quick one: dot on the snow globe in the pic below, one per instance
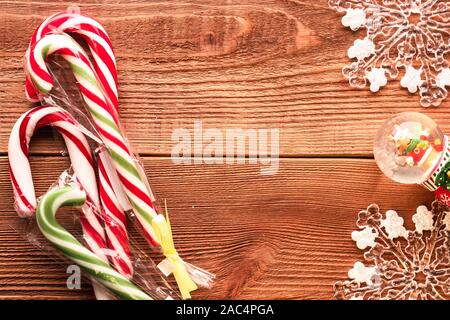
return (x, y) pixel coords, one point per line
(410, 148)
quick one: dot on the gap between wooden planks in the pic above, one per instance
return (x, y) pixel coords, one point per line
(283, 236)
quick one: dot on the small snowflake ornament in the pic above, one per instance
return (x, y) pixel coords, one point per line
(410, 38)
(364, 238)
(360, 273)
(447, 222)
(443, 78)
(423, 219)
(354, 18)
(361, 49)
(377, 78)
(393, 225)
(412, 79)
(400, 263)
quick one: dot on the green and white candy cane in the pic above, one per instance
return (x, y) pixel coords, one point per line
(74, 250)
(105, 119)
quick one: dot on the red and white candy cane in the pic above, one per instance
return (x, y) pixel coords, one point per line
(96, 38)
(106, 120)
(114, 214)
(101, 49)
(83, 167)
(18, 151)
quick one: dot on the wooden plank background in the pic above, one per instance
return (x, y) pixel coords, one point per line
(231, 64)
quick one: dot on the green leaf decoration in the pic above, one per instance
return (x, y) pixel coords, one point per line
(442, 178)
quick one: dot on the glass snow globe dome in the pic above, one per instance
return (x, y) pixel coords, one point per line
(408, 147)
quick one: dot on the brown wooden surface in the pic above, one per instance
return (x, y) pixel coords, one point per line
(240, 64)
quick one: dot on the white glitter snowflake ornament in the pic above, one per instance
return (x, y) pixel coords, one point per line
(407, 38)
(400, 263)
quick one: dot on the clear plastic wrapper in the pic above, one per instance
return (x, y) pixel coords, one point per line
(145, 276)
(85, 96)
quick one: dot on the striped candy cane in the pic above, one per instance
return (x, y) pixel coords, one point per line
(108, 126)
(18, 150)
(105, 119)
(114, 215)
(96, 38)
(100, 47)
(83, 166)
(74, 250)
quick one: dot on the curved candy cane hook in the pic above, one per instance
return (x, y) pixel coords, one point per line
(99, 45)
(83, 165)
(82, 162)
(104, 116)
(74, 250)
(18, 150)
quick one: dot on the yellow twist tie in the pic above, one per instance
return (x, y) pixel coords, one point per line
(164, 233)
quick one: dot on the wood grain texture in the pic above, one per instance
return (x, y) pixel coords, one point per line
(284, 236)
(254, 64)
(231, 64)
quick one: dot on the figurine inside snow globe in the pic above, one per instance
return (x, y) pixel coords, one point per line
(408, 147)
